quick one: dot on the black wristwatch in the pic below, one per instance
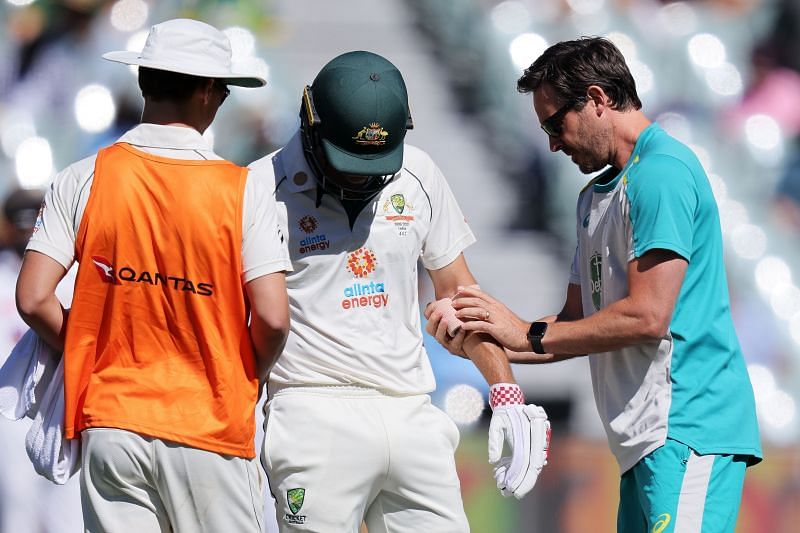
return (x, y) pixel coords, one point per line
(535, 336)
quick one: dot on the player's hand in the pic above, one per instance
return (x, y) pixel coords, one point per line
(527, 431)
(445, 327)
(480, 312)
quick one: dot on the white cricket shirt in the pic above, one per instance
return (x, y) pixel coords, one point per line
(263, 248)
(353, 294)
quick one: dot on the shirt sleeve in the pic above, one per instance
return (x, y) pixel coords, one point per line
(264, 246)
(663, 198)
(449, 233)
(62, 209)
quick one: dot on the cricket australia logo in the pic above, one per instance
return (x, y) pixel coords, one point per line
(398, 211)
(596, 274)
(361, 263)
(399, 203)
(373, 134)
(294, 499)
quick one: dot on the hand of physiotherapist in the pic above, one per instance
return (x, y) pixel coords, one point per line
(480, 312)
(527, 431)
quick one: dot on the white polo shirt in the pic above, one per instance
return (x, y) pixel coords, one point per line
(263, 247)
(353, 295)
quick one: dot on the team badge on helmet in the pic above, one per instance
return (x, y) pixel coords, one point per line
(372, 134)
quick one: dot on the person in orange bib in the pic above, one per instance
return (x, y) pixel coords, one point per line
(180, 303)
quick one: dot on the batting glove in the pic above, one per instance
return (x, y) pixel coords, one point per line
(527, 431)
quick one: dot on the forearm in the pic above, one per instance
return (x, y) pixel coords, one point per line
(489, 357)
(623, 323)
(530, 357)
(48, 319)
(268, 345)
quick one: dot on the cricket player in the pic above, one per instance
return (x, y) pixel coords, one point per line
(647, 299)
(350, 432)
(176, 248)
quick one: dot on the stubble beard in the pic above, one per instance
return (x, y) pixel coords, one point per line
(591, 151)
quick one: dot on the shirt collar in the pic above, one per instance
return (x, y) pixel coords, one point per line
(299, 176)
(161, 136)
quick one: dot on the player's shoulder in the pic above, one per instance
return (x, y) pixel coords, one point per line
(420, 164)
(73, 177)
(266, 170)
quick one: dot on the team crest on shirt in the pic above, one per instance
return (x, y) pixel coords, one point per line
(399, 211)
(294, 499)
(596, 275)
(363, 292)
(312, 243)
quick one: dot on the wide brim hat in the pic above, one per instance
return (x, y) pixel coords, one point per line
(362, 102)
(191, 47)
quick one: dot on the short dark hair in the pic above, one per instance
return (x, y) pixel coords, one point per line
(570, 67)
(164, 85)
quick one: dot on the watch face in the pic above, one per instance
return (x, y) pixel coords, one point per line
(537, 329)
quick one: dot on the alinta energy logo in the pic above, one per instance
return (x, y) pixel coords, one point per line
(361, 264)
(309, 225)
(108, 274)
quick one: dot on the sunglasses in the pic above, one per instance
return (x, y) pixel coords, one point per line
(554, 124)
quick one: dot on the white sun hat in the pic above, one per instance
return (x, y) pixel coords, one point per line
(188, 47)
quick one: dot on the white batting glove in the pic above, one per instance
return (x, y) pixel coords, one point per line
(527, 431)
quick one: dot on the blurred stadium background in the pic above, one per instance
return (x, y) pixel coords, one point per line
(723, 76)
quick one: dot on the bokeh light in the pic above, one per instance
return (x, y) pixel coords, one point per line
(718, 187)
(772, 272)
(625, 43)
(706, 50)
(678, 18)
(677, 125)
(511, 17)
(129, 15)
(731, 215)
(749, 241)
(464, 404)
(15, 127)
(762, 132)
(642, 75)
(526, 48)
(20, 2)
(34, 163)
(586, 7)
(785, 300)
(725, 80)
(94, 108)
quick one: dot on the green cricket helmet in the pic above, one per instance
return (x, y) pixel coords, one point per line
(354, 119)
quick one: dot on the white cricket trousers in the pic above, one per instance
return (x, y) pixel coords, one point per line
(335, 456)
(131, 483)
